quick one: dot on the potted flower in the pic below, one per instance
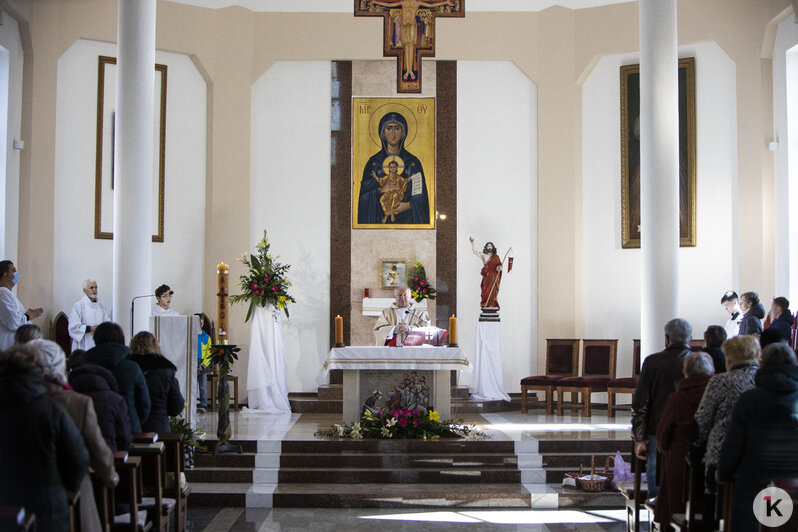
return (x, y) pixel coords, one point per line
(420, 287)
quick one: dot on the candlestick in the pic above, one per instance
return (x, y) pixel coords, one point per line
(452, 331)
(339, 331)
(222, 273)
(367, 292)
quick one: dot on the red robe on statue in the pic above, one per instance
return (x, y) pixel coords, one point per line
(490, 282)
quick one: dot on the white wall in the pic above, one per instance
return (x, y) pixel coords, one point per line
(178, 261)
(785, 158)
(497, 201)
(11, 118)
(290, 198)
(612, 274)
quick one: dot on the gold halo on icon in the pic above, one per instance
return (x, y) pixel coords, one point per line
(393, 107)
(390, 159)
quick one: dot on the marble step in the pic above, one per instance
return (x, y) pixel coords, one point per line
(467, 406)
(212, 494)
(404, 496)
(600, 447)
(224, 460)
(432, 461)
(576, 498)
(220, 475)
(442, 446)
(574, 460)
(312, 405)
(399, 476)
(247, 446)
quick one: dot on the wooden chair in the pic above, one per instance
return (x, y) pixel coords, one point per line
(598, 368)
(561, 362)
(61, 332)
(16, 518)
(176, 488)
(624, 384)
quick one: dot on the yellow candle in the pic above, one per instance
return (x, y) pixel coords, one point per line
(452, 330)
(222, 273)
(339, 330)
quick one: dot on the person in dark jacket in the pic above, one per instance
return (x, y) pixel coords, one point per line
(100, 384)
(111, 352)
(165, 395)
(783, 321)
(675, 430)
(660, 374)
(714, 337)
(42, 455)
(753, 312)
(763, 434)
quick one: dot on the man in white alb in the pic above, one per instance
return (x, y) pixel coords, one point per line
(12, 313)
(85, 316)
(163, 295)
(403, 314)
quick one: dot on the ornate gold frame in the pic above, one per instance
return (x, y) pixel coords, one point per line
(98, 179)
(630, 153)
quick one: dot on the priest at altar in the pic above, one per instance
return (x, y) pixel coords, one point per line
(396, 320)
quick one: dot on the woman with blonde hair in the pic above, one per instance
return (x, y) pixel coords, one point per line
(159, 372)
(714, 412)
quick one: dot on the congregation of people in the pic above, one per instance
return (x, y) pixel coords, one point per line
(732, 409)
(74, 411)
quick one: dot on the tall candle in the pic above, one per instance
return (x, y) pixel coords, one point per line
(339, 330)
(222, 273)
(452, 330)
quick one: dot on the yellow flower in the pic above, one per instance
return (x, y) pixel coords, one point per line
(418, 264)
(434, 415)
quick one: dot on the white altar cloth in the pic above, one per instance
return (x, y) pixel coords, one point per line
(177, 336)
(410, 358)
(488, 380)
(267, 389)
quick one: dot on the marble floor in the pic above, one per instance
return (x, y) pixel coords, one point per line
(502, 426)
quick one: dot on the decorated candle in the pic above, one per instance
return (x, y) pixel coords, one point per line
(339, 330)
(452, 330)
(222, 273)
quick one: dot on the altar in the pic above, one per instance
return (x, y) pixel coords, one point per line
(396, 377)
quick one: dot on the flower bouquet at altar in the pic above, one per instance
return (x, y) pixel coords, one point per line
(420, 288)
(265, 283)
(401, 424)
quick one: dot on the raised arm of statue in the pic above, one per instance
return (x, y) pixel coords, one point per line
(483, 256)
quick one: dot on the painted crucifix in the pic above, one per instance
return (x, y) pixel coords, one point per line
(409, 32)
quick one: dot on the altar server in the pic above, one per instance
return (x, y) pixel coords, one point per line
(12, 313)
(163, 296)
(85, 316)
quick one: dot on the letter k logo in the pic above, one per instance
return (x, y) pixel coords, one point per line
(772, 507)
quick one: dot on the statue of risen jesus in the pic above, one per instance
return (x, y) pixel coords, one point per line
(409, 27)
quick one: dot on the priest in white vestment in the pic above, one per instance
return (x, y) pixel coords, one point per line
(12, 313)
(400, 317)
(85, 316)
(163, 296)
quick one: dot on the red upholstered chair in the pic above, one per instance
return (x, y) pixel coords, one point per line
(61, 332)
(561, 362)
(598, 369)
(624, 384)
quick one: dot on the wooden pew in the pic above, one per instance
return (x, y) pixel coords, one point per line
(16, 518)
(723, 505)
(693, 495)
(151, 451)
(636, 495)
(128, 491)
(175, 466)
(73, 498)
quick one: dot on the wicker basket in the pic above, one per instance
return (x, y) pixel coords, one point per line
(596, 481)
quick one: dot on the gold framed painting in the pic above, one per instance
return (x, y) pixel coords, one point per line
(393, 163)
(393, 273)
(106, 144)
(630, 155)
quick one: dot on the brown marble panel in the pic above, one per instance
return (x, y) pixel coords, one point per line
(446, 191)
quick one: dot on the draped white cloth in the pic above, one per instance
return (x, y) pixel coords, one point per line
(267, 389)
(488, 381)
(177, 336)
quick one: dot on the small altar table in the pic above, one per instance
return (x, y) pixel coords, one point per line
(397, 373)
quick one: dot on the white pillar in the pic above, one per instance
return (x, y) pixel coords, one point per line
(135, 81)
(659, 171)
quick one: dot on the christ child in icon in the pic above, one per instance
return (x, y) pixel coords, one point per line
(392, 187)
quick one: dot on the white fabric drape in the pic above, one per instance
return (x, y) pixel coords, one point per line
(488, 381)
(267, 390)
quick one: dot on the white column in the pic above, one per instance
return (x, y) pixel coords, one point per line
(659, 171)
(133, 225)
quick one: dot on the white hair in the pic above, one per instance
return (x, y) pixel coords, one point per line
(52, 358)
(86, 283)
(400, 289)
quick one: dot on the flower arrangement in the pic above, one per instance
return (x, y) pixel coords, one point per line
(419, 285)
(401, 424)
(265, 282)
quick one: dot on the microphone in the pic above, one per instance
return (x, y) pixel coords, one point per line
(132, 309)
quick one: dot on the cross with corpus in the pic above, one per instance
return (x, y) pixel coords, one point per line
(409, 32)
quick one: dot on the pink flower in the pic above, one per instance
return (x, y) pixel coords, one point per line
(266, 278)
(422, 282)
(395, 413)
(403, 422)
(416, 421)
(425, 290)
(415, 411)
(274, 288)
(254, 286)
(257, 293)
(415, 277)
(379, 414)
(406, 412)
(418, 288)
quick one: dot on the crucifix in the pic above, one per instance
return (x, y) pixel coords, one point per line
(409, 32)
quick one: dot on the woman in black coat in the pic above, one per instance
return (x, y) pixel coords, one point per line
(100, 384)
(165, 396)
(754, 312)
(763, 434)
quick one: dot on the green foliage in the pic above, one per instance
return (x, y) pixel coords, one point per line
(419, 285)
(178, 425)
(265, 283)
(401, 424)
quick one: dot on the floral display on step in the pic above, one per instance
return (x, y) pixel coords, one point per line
(402, 424)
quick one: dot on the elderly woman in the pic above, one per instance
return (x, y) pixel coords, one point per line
(763, 433)
(81, 409)
(165, 395)
(753, 312)
(674, 433)
(723, 390)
